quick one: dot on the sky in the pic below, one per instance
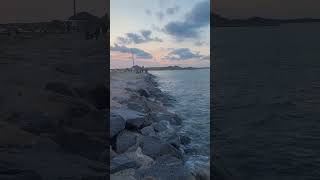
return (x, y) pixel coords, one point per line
(160, 33)
(268, 8)
(22, 11)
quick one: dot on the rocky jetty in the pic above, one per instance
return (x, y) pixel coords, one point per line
(144, 140)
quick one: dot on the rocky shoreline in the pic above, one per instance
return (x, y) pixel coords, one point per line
(144, 139)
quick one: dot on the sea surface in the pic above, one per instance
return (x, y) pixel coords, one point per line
(267, 82)
(190, 90)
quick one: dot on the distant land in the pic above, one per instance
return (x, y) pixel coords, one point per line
(175, 68)
(220, 21)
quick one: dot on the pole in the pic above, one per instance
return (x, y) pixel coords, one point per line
(132, 57)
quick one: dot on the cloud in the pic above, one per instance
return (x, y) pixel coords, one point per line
(183, 54)
(201, 43)
(197, 18)
(138, 52)
(148, 12)
(134, 38)
(160, 15)
(173, 10)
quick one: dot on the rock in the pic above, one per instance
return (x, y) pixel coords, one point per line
(166, 116)
(136, 123)
(148, 131)
(122, 162)
(134, 119)
(125, 140)
(112, 153)
(142, 160)
(185, 140)
(153, 147)
(117, 124)
(160, 126)
(60, 88)
(126, 172)
(102, 177)
(171, 150)
(174, 140)
(139, 106)
(165, 167)
(144, 93)
(203, 174)
(107, 155)
(118, 177)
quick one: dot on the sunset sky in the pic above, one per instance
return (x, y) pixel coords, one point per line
(160, 32)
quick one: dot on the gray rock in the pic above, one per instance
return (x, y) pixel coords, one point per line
(166, 116)
(160, 126)
(136, 123)
(171, 150)
(134, 119)
(144, 93)
(153, 147)
(166, 167)
(174, 140)
(125, 140)
(142, 160)
(140, 107)
(148, 131)
(118, 177)
(117, 124)
(122, 162)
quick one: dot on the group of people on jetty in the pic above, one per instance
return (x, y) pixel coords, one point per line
(137, 69)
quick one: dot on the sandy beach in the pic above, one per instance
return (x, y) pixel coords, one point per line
(144, 136)
(53, 105)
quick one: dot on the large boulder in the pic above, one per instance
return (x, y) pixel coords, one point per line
(154, 147)
(144, 92)
(160, 126)
(137, 106)
(142, 160)
(122, 162)
(165, 167)
(166, 116)
(148, 131)
(125, 140)
(134, 119)
(117, 124)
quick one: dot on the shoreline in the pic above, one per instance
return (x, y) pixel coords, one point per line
(146, 140)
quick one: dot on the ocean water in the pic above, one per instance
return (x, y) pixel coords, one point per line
(267, 123)
(190, 90)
